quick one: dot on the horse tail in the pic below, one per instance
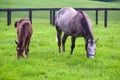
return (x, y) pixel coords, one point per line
(15, 24)
(25, 24)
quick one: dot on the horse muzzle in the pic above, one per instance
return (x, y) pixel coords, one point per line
(91, 56)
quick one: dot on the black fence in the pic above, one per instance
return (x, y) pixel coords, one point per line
(53, 10)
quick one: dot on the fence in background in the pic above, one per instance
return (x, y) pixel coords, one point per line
(53, 10)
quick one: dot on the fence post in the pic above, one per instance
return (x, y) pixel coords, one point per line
(105, 18)
(51, 16)
(97, 16)
(8, 17)
(30, 15)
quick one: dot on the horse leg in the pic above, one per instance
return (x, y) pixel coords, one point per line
(20, 53)
(63, 42)
(27, 47)
(59, 32)
(86, 43)
(18, 56)
(73, 44)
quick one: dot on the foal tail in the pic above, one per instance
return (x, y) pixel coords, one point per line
(15, 24)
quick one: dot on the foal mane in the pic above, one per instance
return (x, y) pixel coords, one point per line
(86, 26)
(23, 31)
(23, 25)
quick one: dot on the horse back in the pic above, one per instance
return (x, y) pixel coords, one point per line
(24, 29)
(24, 25)
(64, 16)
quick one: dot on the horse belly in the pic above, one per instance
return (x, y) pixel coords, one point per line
(66, 29)
(78, 34)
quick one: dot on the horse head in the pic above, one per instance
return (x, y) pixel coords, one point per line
(91, 48)
(19, 49)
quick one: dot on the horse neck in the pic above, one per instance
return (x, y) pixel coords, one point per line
(89, 35)
(22, 35)
(87, 32)
(86, 27)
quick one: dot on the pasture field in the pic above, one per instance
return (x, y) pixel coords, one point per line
(44, 61)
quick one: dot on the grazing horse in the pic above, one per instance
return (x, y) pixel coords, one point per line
(24, 33)
(75, 24)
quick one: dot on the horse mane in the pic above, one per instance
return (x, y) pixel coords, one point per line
(86, 25)
(24, 30)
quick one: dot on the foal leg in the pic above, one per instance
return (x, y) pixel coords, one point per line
(73, 44)
(63, 42)
(59, 32)
(18, 56)
(27, 47)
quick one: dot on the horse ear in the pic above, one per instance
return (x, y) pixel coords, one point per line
(96, 40)
(16, 42)
(15, 25)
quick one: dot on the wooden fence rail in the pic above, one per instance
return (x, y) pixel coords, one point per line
(53, 10)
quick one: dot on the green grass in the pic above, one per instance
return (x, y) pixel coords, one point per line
(44, 62)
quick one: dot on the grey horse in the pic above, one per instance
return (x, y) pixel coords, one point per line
(75, 24)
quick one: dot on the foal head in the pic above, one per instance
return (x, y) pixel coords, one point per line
(19, 49)
(91, 48)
